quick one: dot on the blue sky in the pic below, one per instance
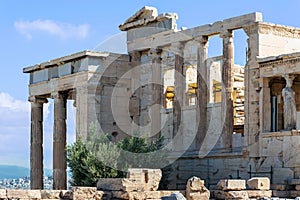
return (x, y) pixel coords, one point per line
(36, 31)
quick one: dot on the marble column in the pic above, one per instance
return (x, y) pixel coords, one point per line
(36, 142)
(81, 112)
(59, 141)
(227, 79)
(178, 99)
(289, 104)
(157, 91)
(202, 90)
(265, 105)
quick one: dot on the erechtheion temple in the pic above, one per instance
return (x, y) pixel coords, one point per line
(221, 119)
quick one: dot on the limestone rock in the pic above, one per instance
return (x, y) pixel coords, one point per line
(111, 184)
(259, 183)
(236, 195)
(23, 194)
(231, 184)
(130, 184)
(195, 189)
(149, 178)
(176, 196)
(83, 193)
(219, 194)
(195, 184)
(65, 194)
(50, 194)
(138, 179)
(120, 195)
(259, 193)
(99, 195)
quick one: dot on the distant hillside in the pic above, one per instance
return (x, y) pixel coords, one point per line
(10, 172)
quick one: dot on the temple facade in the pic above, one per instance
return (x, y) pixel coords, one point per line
(221, 119)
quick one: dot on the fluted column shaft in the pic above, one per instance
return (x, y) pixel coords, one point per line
(202, 90)
(59, 142)
(36, 143)
(227, 79)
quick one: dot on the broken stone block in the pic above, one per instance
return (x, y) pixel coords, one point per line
(23, 194)
(236, 195)
(120, 195)
(232, 184)
(259, 183)
(65, 194)
(258, 194)
(149, 178)
(195, 184)
(80, 193)
(137, 180)
(130, 184)
(195, 189)
(176, 196)
(110, 184)
(99, 195)
(50, 194)
(219, 194)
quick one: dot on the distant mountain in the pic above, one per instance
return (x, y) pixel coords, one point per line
(11, 171)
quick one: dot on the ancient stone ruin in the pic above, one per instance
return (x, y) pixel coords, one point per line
(222, 120)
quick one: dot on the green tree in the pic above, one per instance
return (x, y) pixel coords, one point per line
(99, 157)
(94, 159)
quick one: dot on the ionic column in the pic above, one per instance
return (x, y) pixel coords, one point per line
(157, 91)
(59, 142)
(265, 106)
(202, 90)
(178, 99)
(81, 112)
(36, 142)
(227, 79)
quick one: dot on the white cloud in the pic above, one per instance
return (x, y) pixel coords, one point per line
(15, 129)
(62, 30)
(14, 107)
(8, 103)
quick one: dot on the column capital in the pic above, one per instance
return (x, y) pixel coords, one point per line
(37, 99)
(226, 34)
(155, 51)
(59, 95)
(203, 40)
(289, 78)
(135, 54)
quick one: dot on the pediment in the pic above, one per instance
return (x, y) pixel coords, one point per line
(147, 12)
